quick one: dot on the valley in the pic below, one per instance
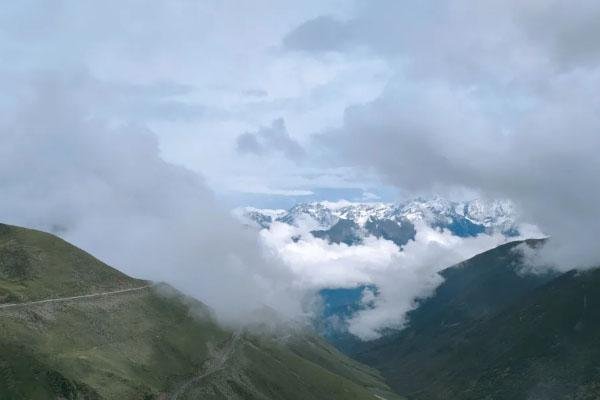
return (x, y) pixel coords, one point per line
(492, 329)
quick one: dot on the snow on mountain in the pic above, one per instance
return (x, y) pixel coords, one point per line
(468, 218)
(491, 213)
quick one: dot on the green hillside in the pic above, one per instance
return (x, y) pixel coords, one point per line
(491, 332)
(146, 343)
(544, 347)
(36, 265)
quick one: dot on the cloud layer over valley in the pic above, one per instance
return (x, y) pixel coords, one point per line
(400, 276)
(128, 129)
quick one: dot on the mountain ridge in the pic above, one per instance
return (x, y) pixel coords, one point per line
(466, 218)
(35, 265)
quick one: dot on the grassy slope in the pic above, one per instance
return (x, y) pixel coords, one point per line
(419, 361)
(36, 265)
(489, 333)
(142, 344)
(299, 368)
(121, 347)
(545, 347)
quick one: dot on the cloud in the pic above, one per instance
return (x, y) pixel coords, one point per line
(400, 276)
(270, 139)
(368, 196)
(413, 275)
(255, 93)
(196, 73)
(105, 187)
(564, 31)
(279, 192)
(323, 33)
(494, 97)
(458, 39)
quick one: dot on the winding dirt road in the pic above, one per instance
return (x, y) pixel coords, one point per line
(62, 299)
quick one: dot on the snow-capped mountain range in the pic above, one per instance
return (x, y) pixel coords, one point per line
(466, 218)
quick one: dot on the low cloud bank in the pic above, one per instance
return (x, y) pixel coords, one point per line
(400, 276)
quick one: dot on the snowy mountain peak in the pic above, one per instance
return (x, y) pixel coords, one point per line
(467, 218)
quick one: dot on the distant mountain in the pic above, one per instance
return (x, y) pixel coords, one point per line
(343, 231)
(72, 328)
(492, 331)
(351, 223)
(391, 221)
(262, 217)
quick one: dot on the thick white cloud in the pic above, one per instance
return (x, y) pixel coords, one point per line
(400, 276)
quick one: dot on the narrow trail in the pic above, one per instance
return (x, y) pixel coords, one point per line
(214, 364)
(62, 299)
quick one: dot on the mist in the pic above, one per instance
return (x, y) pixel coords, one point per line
(105, 187)
(401, 276)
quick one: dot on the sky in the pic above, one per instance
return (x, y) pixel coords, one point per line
(131, 128)
(203, 76)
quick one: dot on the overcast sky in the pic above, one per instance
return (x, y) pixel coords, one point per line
(131, 116)
(214, 80)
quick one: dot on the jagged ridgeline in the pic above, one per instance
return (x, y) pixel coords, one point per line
(72, 327)
(350, 223)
